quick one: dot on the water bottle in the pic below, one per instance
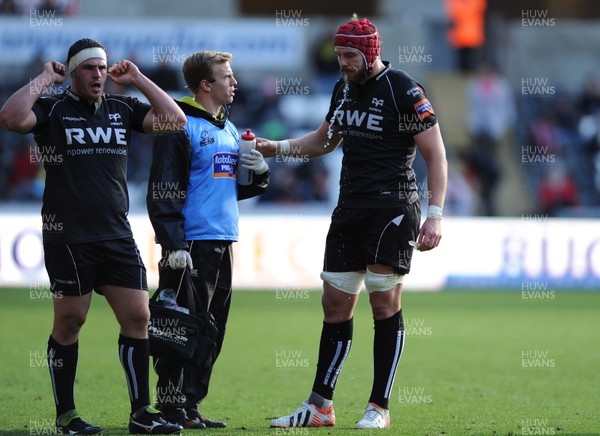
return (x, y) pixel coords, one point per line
(168, 297)
(247, 143)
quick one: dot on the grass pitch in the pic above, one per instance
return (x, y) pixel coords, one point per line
(475, 363)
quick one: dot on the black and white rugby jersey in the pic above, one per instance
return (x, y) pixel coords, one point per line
(377, 121)
(84, 149)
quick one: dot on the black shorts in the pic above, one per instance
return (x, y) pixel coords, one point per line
(361, 237)
(77, 269)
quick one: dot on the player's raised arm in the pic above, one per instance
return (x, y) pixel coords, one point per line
(316, 143)
(16, 114)
(431, 146)
(165, 116)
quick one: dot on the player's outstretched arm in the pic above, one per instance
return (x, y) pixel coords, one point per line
(431, 146)
(16, 114)
(312, 144)
(165, 116)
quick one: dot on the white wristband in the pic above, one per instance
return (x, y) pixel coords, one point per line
(284, 147)
(434, 212)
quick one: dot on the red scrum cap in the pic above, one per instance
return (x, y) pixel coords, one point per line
(360, 35)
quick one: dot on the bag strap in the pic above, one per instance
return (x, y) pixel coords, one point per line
(191, 289)
(154, 297)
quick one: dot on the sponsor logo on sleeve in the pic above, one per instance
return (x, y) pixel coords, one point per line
(423, 109)
(414, 91)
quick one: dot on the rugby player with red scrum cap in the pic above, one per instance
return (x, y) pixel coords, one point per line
(381, 116)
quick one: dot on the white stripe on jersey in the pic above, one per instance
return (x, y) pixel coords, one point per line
(392, 93)
(54, 105)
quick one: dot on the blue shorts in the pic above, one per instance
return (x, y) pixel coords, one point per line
(361, 237)
(77, 269)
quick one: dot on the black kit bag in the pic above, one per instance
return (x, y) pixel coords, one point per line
(187, 338)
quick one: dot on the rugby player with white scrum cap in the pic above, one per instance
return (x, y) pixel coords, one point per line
(381, 116)
(84, 136)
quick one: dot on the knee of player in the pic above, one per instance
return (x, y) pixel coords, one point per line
(69, 325)
(382, 310)
(137, 318)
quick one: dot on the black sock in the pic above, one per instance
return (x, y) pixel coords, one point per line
(333, 350)
(387, 350)
(62, 362)
(134, 357)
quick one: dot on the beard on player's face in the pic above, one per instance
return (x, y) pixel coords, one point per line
(354, 74)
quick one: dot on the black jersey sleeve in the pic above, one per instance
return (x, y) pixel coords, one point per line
(167, 188)
(416, 110)
(41, 108)
(140, 110)
(257, 187)
(335, 95)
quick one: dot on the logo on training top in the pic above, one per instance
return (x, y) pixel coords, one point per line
(115, 119)
(359, 119)
(224, 165)
(377, 102)
(414, 91)
(205, 138)
(99, 135)
(74, 118)
(424, 109)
